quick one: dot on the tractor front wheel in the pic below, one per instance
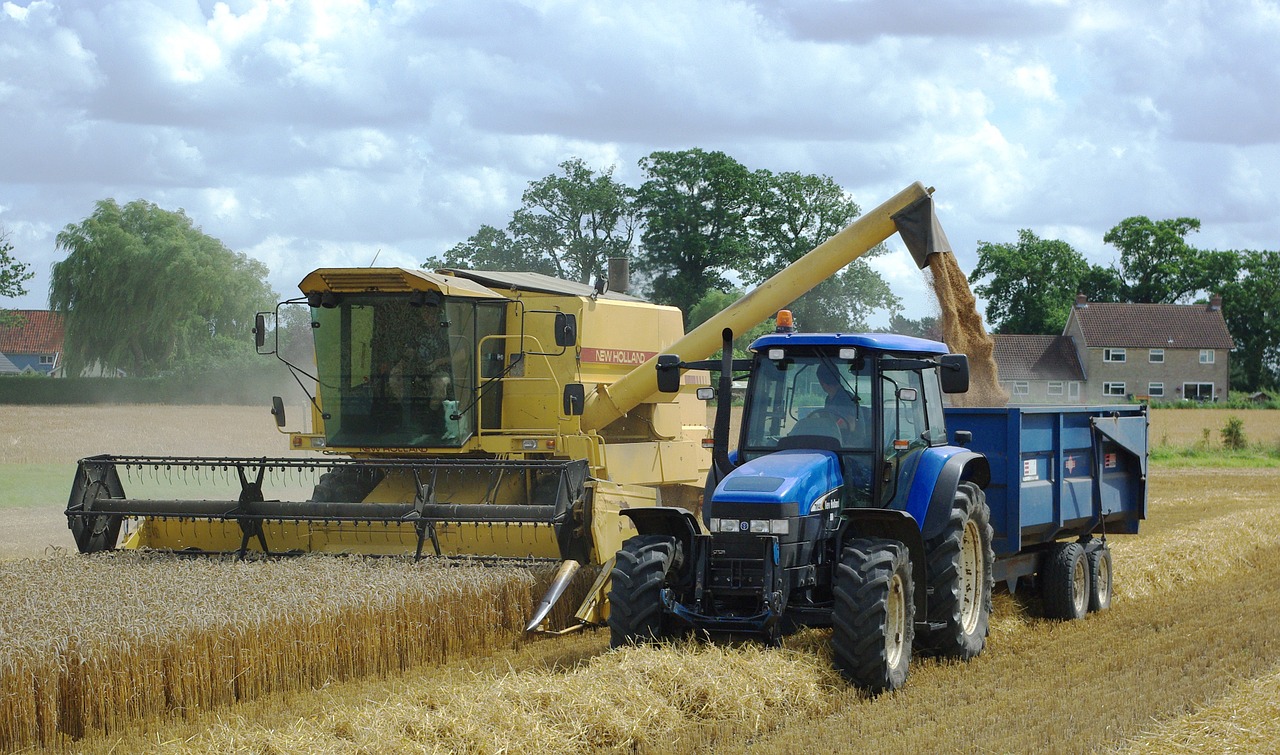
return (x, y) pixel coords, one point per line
(873, 619)
(635, 599)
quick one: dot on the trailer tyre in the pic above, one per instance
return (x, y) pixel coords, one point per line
(635, 599)
(961, 578)
(1065, 582)
(873, 618)
(1100, 578)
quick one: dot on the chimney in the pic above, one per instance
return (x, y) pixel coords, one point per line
(619, 274)
(1081, 301)
(1215, 304)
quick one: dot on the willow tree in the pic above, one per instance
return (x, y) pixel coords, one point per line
(143, 290)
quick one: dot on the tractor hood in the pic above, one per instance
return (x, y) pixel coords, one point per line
(785, 477)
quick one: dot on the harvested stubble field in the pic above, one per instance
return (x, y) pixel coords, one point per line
(1188, 659)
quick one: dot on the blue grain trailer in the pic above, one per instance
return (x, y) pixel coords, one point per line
(854, 498)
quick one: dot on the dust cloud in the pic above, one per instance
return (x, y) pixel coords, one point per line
(963, 331)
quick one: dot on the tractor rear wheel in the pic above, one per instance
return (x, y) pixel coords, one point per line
(873, 619)
(961, 577)
(635, 599)
(1065, 582)
(1100, 577)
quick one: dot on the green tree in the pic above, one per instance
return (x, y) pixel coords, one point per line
(493, 249)
(568, 225)
(577, 220)
(711, 304)
(1251, 307)
(1157, 265)
(13, 273)
(143, 290)
(796, 213)
(925, 327)
(1029, 286)
(696, 206)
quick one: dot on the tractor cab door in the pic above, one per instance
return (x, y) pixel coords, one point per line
(911, 420)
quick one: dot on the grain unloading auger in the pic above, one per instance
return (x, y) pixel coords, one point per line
(469, 413)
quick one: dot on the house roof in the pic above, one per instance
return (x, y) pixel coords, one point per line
(1020, 357)
(1152, 326)
(39, 333)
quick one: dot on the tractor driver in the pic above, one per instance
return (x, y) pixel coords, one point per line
(840, 405)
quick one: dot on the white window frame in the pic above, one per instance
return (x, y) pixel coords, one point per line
(1054, 388)
(1073, 390)
(1115, 356)
(1213, 391)
(1114, 389)
(1155, 390)
(1155, 356)
(1020, 388)
(46, 359)
(1206, 356)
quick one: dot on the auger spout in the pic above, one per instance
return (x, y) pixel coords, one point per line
(910, 212)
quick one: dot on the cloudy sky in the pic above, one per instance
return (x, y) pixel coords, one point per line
(327, 132)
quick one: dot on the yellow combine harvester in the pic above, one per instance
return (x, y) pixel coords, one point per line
(470, 413)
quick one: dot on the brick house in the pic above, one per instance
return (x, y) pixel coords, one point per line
(1163, 351)
(1039, 369)
(34, 345)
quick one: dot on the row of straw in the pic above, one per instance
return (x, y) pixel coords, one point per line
(89, 644)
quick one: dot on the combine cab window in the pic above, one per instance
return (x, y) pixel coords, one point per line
(395, 375)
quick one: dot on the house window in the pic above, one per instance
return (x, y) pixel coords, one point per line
(1155, 390)
(1206, 356)
(1073, 390)
(1113, 389)
(1021, 388)
(1055, 387)
(46, 359)
(1115, 355)
(1156, 356)
(1197, 391)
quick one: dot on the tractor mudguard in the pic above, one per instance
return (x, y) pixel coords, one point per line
(666, 520)
(941, 489)
(893, 525)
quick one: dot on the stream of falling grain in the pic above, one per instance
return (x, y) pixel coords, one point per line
(964, 332)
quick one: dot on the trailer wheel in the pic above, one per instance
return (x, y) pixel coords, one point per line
(1065, 582)
(635, 599)
(961, 578)
(873, 618)
(1100, 578)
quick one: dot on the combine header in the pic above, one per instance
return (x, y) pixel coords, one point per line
(473, 413)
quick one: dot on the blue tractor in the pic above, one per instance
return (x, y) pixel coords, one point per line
(845, 504)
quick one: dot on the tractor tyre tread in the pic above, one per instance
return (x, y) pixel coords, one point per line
(945, 562)
(860, 615)
(1059, 588)
(635, 599)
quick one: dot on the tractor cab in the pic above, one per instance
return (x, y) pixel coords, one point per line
(871, 400)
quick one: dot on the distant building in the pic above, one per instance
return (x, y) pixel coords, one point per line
(34, 345)
(1039, 369)
(1122, 352)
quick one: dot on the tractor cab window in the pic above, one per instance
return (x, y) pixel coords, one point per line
(395, 373)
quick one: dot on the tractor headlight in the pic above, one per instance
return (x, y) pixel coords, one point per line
(760, 526)
(724, 525)
(780, 526)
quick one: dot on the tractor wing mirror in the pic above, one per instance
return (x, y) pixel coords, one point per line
(668, 373)
(953, 373)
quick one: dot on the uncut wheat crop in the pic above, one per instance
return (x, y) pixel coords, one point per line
(90, 644)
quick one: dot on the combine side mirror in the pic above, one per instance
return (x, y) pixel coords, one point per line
(953, 373)
(668, 373)
(706, 394)
(277, 410)
(260, 331)
(575, 398)
(566, 329)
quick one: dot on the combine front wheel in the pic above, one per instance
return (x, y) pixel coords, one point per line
(635, 600)
(873, 619)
